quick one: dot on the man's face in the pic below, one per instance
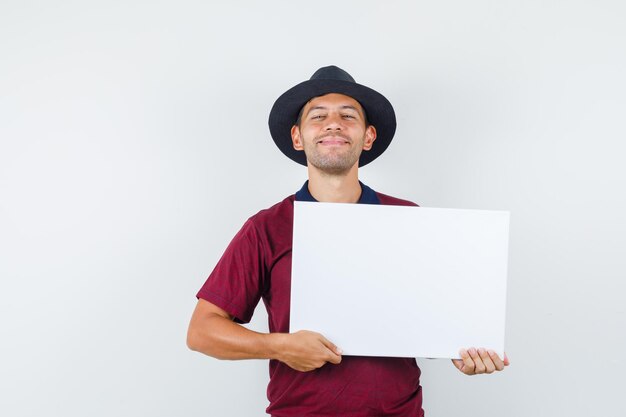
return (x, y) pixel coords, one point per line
(333, 133)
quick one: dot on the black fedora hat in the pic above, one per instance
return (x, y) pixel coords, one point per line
(327, 80)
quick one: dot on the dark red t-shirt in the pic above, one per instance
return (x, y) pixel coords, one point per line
(257, 265)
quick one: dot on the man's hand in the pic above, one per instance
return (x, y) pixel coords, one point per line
(479, 361)
(305, 351)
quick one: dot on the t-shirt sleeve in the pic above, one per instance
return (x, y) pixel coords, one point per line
(236, 284)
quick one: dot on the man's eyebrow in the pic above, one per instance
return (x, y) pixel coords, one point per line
(315, 108)
(344, 107)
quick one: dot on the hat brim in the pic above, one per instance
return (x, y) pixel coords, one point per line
(285, 111)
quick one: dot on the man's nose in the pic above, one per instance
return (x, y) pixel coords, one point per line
(333, 122)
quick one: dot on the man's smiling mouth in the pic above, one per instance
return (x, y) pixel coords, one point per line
(332, 140)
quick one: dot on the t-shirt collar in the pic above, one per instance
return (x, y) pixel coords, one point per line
(368, 196)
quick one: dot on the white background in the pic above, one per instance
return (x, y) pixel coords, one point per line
(134, 144)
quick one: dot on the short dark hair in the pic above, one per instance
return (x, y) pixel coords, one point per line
(299, 118)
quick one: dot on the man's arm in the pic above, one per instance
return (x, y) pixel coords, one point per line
(213, 332)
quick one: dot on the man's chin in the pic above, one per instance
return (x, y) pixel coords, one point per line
(337, 168)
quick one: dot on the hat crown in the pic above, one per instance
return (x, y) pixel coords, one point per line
(332, 72)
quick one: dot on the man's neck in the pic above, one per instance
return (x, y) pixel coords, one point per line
(342, 188)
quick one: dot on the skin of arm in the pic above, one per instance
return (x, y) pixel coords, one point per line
(213, 332)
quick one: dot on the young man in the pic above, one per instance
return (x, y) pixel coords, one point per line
(332, 125)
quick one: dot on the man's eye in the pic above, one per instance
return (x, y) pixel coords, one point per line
(317, 116)
(348, 116)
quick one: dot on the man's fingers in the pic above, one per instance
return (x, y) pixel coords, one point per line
(468, 364)
(330, 345)
(479, 361)
(490, 367)
(458, 363)
(334, 359)
(334, 352)
(499, 363)
(479, 366)
(309, 350)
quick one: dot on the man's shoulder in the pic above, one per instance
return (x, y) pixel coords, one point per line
(388, 200)
(280, 212)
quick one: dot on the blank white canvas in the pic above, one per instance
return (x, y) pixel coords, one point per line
(400, 281)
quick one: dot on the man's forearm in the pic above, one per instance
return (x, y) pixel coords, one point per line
(222, 338)
(213, 332)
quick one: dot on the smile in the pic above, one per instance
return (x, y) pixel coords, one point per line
(332, 141)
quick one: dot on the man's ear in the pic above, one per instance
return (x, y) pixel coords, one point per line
(370, 137)
(296, 139)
